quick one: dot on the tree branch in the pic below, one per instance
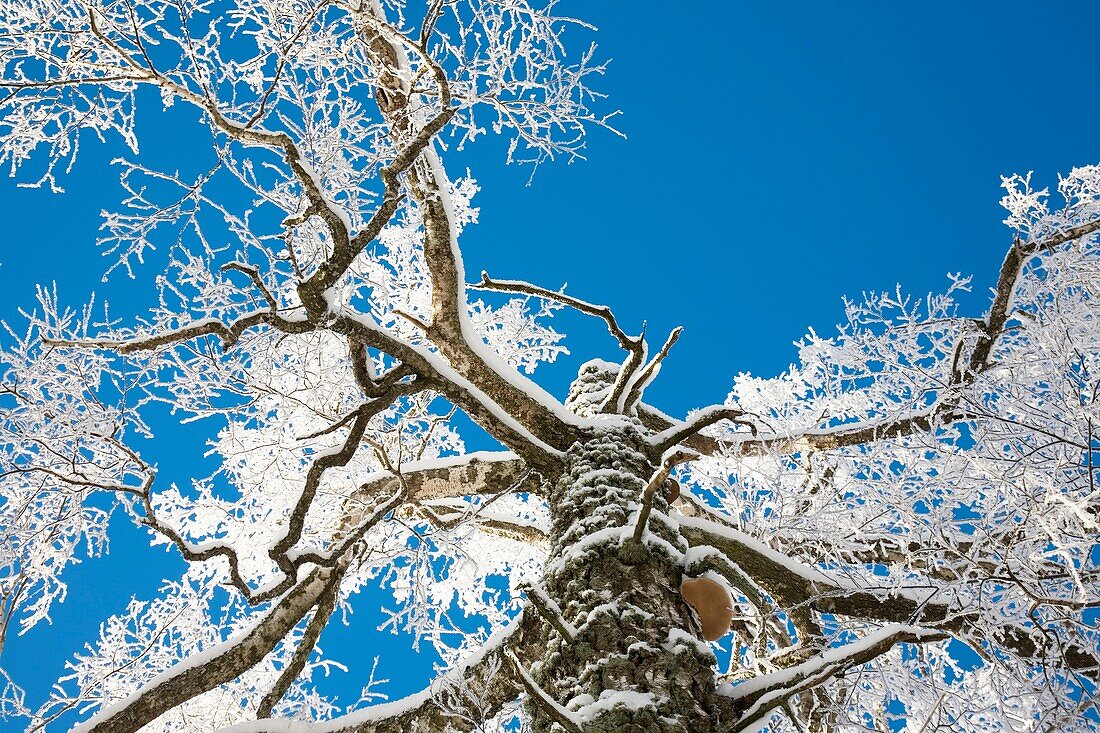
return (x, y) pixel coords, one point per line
(754, 699)
(229, 334)
(1018, 255)
(627, 342)
(553, 710)
(550, 611)
(795, 585)
(482, 472)
(676, 434)
(325, 606)
(449, 517)
(649, 373)
(944, 411)
(223, 663)
(656, 480)
(482, 675)
(635, 346)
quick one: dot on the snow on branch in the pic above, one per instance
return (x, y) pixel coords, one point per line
(480, 676)
(921, 469)
(627, 342)
(217, 665)
(755, 699)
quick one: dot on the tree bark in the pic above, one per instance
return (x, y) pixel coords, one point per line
(636, 661)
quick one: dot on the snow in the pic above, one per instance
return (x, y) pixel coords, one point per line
(193, 661)
(538, 591)
(681, 638)
(611, 699)
(796, 568)
(1023, 466)
(380, 711)
(783, 680)
(482, 456)
(608, 535)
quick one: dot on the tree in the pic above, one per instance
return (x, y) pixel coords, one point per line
(902, 527)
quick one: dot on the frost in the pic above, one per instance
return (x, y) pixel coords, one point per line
(308, 312)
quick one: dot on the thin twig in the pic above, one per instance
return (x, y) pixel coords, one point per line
(253, 274)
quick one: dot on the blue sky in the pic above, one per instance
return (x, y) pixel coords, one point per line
(778, 156)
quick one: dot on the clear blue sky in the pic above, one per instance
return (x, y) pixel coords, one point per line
(779, 156)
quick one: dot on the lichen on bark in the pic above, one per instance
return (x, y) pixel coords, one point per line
(637, 662)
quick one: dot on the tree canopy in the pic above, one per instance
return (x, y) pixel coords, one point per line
(900, 530)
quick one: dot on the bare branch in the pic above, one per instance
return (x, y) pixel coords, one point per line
(677, 434)
(325, 606)
(550, 611)
(627, 342)
(421, 711)
(229, 334)
(647, 375)
(254, 275)
(556, 712)
(1000, 310)
(656, 480)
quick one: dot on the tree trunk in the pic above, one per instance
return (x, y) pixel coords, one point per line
(637, 662)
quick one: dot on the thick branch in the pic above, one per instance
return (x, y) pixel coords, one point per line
(486, 682)
(222, 664)
(482, 472)
(795, 585)
(325, 606)
(450, 328)
(944, 411)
